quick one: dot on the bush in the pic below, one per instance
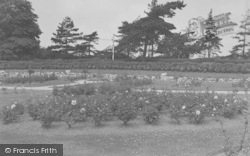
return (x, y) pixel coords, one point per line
(75, 115)
(126, 110)
(197, 116)
(34, 110)
(18, 108)
(11, 113)
(107, 89)
(187, 65)
(8, 115)
(24, 78)
(79, 89)
(99, 108)
(150, 114)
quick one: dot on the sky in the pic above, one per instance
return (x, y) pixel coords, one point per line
(105, 16)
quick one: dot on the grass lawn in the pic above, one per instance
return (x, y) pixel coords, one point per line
(113, 139)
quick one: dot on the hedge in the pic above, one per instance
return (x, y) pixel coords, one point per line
(187, 66)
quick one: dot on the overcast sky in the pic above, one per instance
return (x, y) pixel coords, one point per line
(105, 16)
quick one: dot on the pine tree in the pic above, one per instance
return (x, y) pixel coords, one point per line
(19, 31)
(66, 37)
(211, 41)
(243, 37)
(147, 31)
(89, 41)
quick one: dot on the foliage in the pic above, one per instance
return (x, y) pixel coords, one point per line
(22, 78)
(65, 37)
(178, 46)
(184, 66)
(150, 114)
(211, 41)
(77, 90)
(12, 113)
(126, 109)
(19, 31)
(146, 31)
(99, 108)
(243, 45)
(68, 41)
(89, 41)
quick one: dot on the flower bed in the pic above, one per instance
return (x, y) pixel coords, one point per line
(79, 103)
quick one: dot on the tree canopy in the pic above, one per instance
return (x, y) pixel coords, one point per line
(243, 37)
(19, 31)
(211, 41)
(67, 39)
(179, 46)
(147, 31)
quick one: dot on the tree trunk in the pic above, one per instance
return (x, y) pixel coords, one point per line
(152, 55)
(145, 48)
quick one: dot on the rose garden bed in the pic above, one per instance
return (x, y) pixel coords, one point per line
(106, 107)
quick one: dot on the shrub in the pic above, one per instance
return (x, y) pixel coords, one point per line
(34, 110)
(8, 115)
(107, 88)
(197, 116)
(150, 114)
(126, 110)
(98, 107)
(12, 113)
(18, 108)
(24, 78)
(79, 89)
(75, 115)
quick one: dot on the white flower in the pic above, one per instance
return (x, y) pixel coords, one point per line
(203, 105)
(197, 112)
(212, 114)
(147, 101)
(245, 99)
(13, 106)
(215, 97)
(67, 71)
(183, 107)
(82, 110)
(235, 101)
(140, 98)
(73, 102)
(214, 109)
(225, 100)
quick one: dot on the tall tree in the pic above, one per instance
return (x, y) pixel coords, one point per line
(88, 44)
(146, 32)
(66, 37)
(19, 31)
(179, 46)
(243, 36)
(211, 40)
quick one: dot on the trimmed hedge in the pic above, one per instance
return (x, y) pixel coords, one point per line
(121, 65)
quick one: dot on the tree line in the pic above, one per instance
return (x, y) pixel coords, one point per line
(146, 36)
